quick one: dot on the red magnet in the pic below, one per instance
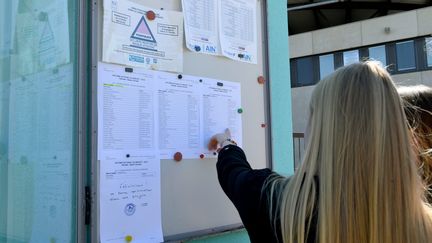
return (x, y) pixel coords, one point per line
(150, 15)
(202, 156)
(263, 125)
(178, 156)
(261, 80)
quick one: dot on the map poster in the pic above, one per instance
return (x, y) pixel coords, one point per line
(135, 35)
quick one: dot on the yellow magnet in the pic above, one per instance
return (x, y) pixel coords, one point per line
(128, 238)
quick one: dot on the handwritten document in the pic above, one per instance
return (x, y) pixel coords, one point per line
(130, 198)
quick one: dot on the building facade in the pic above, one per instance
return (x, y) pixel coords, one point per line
(402, 42)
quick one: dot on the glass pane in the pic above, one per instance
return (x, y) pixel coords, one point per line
(292, 73)
(405, 55)
(378, 53)
(350, 57)
(326, 63)
(305, 71)
(429, 51)
(37, 120)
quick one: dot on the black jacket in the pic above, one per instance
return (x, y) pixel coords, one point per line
(244, 187)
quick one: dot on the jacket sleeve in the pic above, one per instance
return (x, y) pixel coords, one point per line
(243, 186)
(236, 175)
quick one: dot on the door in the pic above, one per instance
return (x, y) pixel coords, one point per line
(39, 115)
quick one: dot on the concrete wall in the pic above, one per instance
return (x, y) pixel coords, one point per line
(300, 107)
(368, 32)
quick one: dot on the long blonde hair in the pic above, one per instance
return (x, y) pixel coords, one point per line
(367, 187)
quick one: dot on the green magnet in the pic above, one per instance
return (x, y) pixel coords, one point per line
(240, 110)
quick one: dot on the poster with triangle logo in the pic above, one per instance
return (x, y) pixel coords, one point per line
(41, 41)
(139, 36)
(47, 47)
(143, 32)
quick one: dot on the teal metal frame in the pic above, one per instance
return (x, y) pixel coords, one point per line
(280, 87)
(280, 105)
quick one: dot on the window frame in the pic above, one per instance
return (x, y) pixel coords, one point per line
(295, 73)
(385, 52)
(416, 64)
(350, 50)
(420, 58)
(423, 47)
(318, 66)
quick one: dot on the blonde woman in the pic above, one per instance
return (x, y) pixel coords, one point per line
(357, 182)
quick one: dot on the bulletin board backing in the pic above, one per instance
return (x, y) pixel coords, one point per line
(193, 202)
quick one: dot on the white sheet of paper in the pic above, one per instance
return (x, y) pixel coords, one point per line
(152, 110)
(130, 38)
(40, 153)
(221, 103)
(238, 29)
(53, 202)
(179, 115)
(42, 100)
(126, 109)
(41, 40)
(130, 203)
(201, 26)
(130, 198)
(193, 109)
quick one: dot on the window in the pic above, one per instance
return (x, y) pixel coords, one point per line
(350, 57)
(326, 65)
(429, 51)
(378, 53)
(38, 121)
(405, 55)
(305, 72)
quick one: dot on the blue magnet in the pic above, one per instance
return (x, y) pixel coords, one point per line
(197, 48)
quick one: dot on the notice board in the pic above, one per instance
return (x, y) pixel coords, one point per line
(193, 203)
